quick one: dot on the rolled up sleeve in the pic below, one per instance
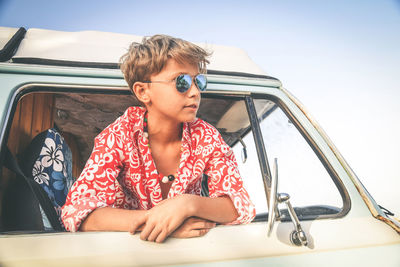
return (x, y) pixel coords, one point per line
(224, 179)
(96, 186)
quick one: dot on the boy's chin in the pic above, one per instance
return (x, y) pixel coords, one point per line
(189, 118)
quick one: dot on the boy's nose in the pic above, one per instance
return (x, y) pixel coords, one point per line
(193, 90)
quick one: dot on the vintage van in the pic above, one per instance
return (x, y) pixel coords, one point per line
(316, 212)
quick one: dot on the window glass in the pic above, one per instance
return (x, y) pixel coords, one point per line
(301, 173)
(251, 174)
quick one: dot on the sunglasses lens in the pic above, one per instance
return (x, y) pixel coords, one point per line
(201, 82)
(183, 82)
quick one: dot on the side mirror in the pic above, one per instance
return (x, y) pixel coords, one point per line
(298, 236)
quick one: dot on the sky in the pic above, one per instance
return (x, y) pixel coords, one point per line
(340, 58)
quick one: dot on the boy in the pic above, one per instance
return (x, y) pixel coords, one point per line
(145, 171)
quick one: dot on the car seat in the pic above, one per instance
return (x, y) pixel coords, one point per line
(40, 190)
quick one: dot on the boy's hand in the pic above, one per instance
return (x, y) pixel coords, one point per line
(193, 227)
(163, 219)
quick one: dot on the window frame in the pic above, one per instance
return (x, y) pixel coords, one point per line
(323, 159)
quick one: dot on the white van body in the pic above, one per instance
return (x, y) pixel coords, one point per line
(355, 231)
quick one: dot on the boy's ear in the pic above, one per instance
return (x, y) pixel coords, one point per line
(141, 91)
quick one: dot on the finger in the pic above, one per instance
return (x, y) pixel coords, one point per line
(202, 232)
(167, 231)
(148, 228)
(202, 224)
(162, 236)
(190, 233)
(197, 233)
(209, 224)
(137, 225)
(194, 221)
(154, 234)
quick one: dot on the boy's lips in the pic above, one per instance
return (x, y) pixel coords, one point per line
(191, 106)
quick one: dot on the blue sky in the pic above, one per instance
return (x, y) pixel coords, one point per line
(340, 58)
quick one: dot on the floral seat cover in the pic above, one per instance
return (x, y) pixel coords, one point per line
(52, 169)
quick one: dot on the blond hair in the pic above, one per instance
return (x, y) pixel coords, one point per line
(149, 57)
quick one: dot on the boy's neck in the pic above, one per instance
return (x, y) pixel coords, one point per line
(162, 130)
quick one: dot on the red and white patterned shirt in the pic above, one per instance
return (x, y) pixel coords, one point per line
(121, 172)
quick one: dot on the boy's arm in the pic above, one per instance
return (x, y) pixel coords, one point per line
(104, 219)
(113, 219)
(219, 209)
(163, 219)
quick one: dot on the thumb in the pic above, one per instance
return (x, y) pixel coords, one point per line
(136, 225)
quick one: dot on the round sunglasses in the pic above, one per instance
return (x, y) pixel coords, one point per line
(183, 82)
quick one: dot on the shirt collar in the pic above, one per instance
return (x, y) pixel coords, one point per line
(186, 137)
(137, 116)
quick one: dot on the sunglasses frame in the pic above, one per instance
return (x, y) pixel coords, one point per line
(193, 79)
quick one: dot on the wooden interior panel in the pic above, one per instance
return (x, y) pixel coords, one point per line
(34, 114)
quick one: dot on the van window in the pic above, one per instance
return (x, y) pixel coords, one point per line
(81, 116)
(301, 173)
